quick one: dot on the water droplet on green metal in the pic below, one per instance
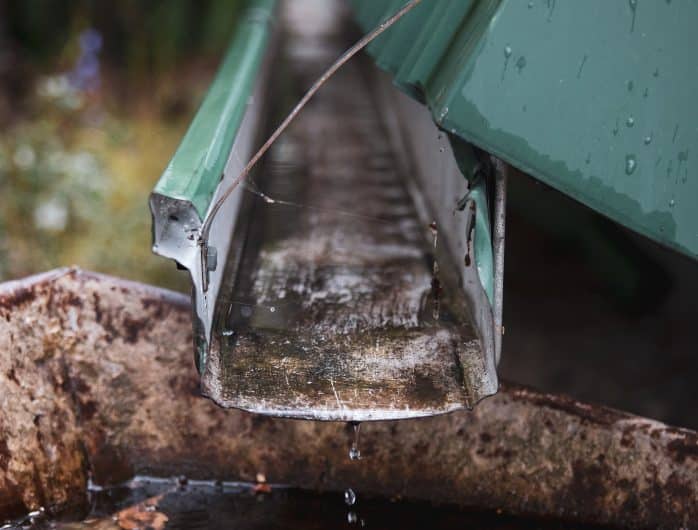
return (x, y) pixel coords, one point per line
(630, 164)
(521, 63)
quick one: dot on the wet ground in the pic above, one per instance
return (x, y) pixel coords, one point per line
(151, 503)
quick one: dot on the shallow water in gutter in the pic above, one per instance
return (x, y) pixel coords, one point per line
(147, 502)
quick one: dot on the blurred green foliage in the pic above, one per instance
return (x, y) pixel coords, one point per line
(77, 162)
(140, 36)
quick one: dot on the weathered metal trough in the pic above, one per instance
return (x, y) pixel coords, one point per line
(96, 382)
(340, 281)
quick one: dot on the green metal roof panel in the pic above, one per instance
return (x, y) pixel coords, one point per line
(430, 45)
(196, 167)
(594, 98)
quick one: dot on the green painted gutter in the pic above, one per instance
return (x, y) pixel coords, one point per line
(197, 166)
(596, 99)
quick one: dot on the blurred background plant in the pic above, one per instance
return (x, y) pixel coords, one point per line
(94, 97)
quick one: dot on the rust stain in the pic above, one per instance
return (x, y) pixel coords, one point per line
(132, 328)
(593, 414)
(684, 448)
(17, 297)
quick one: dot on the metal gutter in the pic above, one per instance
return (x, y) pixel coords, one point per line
(213, 151)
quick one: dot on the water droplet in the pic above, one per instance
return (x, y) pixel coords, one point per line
(530, 5)
(349, 497)
(630, 164)
(228, 332)
(630, 86)
(672, 203)
(648, 139)
(351, 518)
(633, 7)
(434, 231)
(630, 121)
(272, 309)
(521, 63)
(354, 452)
(507, 51)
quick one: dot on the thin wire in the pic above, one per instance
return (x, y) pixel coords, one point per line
(363, 42)
(252, 187)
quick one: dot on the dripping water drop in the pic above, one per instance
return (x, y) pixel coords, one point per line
(354, 452)
(434, 232)
(349, 497)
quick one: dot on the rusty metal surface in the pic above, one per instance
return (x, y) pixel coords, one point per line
(96, 378)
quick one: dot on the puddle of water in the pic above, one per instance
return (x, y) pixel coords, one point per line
(180, 504)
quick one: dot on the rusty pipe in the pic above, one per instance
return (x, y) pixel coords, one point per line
(96, 379)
